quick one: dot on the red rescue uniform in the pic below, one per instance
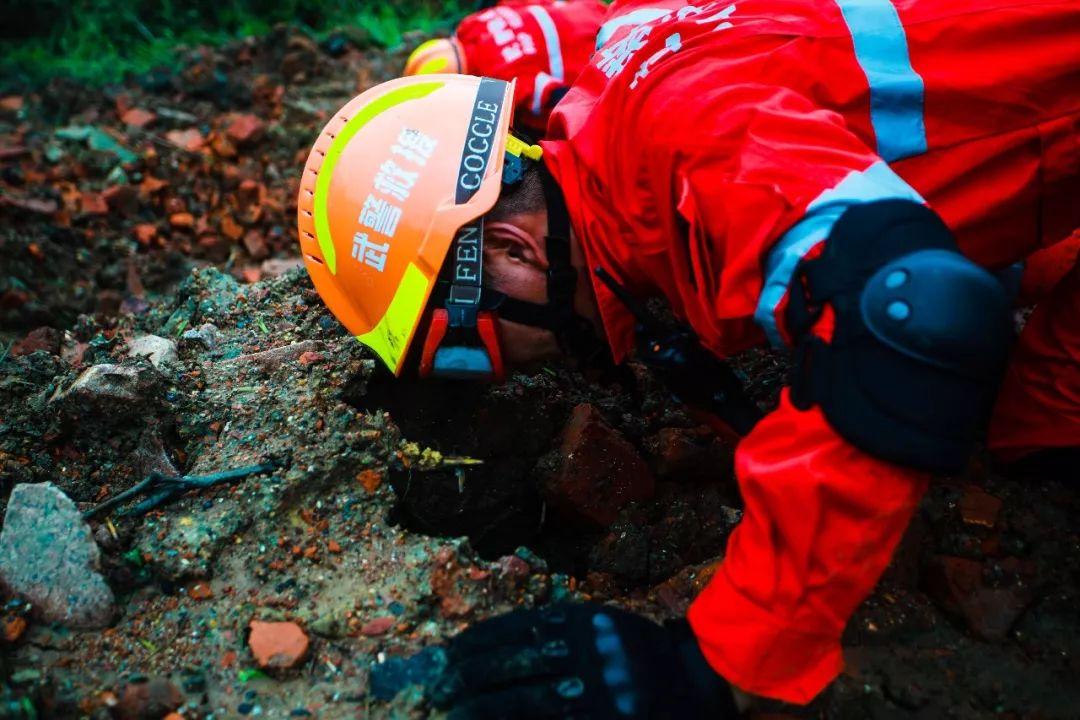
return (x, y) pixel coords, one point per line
(543, 45)
(708, 148)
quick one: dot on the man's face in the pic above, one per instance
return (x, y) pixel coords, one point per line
(515, 264)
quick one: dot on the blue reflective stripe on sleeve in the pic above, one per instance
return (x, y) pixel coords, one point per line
(539, 86)
(551, 39)
(637, 17)
(896, 90)
(877, 182)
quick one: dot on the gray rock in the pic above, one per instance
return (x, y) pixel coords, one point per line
(118, 394)
(157, 349)
(48, 556)
(107, 382)
(206, 335)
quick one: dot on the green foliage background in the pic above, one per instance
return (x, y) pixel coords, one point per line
(99, 41)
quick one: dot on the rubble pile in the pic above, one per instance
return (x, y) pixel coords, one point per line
(336, 526)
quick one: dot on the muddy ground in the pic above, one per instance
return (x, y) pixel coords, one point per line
(165, 207)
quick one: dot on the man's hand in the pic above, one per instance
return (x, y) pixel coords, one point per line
(579, 661)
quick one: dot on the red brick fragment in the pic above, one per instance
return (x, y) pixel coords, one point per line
(277, 645)
(378, 626)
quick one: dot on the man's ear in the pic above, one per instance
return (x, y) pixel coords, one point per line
(516, 243)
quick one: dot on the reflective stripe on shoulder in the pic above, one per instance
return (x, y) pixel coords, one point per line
(877, 182)
(896, 90)
(551, 39)
(543, 80)
(637, 17)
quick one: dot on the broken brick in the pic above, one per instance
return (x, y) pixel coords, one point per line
(145, 233)
(200, 591)
(231, 229)
(378, 626)
(42, 338)
(190, 139)
(137, 117)
(370, 479)
(222, 146)
(600, 471)
(255, 244)
(148, 699)
(182, 220)
(687, 454)
(245, 128)
(123, 199)
(979, 508)
(277, 645)
(957, 586)
(14, 628)
(93, 204)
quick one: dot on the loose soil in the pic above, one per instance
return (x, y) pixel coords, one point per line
(379, 534)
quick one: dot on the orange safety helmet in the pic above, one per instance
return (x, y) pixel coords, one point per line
(402, 173)
(443, 55)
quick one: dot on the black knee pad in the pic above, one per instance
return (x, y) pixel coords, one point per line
(921, 337)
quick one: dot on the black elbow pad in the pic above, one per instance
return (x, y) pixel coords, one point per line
(920, 342)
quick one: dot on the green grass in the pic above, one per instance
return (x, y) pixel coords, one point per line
(99, 41)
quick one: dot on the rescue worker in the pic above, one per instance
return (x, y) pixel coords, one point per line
(542, 44)
(830, 176)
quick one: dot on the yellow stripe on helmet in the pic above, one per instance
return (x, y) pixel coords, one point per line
(434, 65)
(390, 337)
(326, 170)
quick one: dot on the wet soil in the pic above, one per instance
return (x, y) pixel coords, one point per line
(399, 512)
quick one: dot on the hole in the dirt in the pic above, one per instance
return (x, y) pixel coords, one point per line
(515, 429)
(496, 504)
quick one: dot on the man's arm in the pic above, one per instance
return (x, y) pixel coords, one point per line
(787, 201)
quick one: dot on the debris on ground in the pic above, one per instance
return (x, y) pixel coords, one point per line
(48, 557)
(155, 321)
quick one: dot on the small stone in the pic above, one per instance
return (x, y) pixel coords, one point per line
(149, 699)
(330, 624)
(137, 117)
(157, 349)
(511, 566)
(957, 585)
(333, 546)
(277, 645)
(123, 199)
(600, 472)
(245, 128)
(979, 508)
(200, 591)
(43, 338)
(14, 628)
(145, 233)
(370, 479)
(378, 626)
(48, 556)
(205, 335)
(190, 139)
(106, 383)
(182, 220)
(687, 454)
(93, 204)
(310, 357)
(231, 229)
(255, 244)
